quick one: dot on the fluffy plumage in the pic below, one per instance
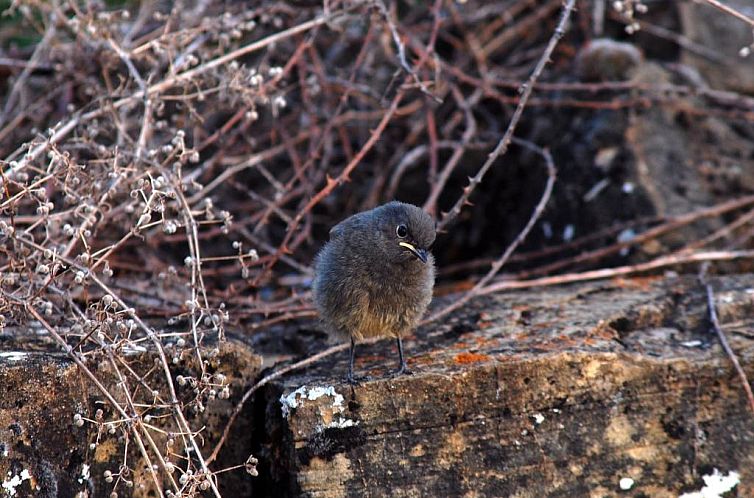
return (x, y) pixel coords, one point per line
(375, 275)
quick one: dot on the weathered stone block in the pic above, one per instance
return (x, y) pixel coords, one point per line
(45, 453)
(602, 389)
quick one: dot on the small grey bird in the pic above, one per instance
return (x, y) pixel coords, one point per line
(374, 277)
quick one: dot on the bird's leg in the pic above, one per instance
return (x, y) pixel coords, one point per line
(351, 378)
(403, 369)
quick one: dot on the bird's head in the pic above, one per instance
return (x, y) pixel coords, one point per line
(407, 231)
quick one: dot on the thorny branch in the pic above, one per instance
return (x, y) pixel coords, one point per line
(170, 174)
(502, 147)
(500, 262)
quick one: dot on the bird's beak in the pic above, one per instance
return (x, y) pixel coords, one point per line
(422, 254)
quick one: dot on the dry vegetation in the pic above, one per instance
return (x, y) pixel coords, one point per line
(171, 168)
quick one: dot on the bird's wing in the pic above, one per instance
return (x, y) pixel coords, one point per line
(355, 220)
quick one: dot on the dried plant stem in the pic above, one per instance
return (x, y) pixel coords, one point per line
(154, 339)
(651, 234)
(715, 322)
(191, 159)
(430, 205)
(500, 262)
(332, 183)
(170, 82)
(502, 146)
(105, 392)
(620, 271)
(730, 11)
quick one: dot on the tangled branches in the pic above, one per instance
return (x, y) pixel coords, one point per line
(168, 172)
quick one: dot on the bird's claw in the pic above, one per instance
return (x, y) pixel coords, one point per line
(355, 380)
(403, 370)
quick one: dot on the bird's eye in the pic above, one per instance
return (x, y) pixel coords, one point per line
(401, 231)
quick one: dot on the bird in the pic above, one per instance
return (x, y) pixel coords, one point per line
(374, 277)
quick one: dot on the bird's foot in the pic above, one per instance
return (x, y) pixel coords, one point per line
(355, 380)
(403, 370)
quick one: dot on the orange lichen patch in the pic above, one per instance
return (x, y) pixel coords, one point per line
(643, 283)
(469, 357)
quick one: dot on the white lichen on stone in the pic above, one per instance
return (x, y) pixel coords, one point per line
(13, 355)
(692, 344)
(341, 423)
(294, 400)
(133, 349)
(10, 485)
(626, 483)
(84, 473)
(715, 485)
(291, 401)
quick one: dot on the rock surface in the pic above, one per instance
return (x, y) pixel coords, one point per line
(603, 389)
(725, 35)
(612, 388)
(43, 453)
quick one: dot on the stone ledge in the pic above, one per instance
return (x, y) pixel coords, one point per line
(574, 391)
(44, 454)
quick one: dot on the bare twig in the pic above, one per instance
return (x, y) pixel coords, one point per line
(731, 11)
(344, 175)
(502, 146)
(402, 50)
(619, 271)
(651, 234)
(500, 262)
(714, 321)
(105, 392)
(439, 183)
(170, 82)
